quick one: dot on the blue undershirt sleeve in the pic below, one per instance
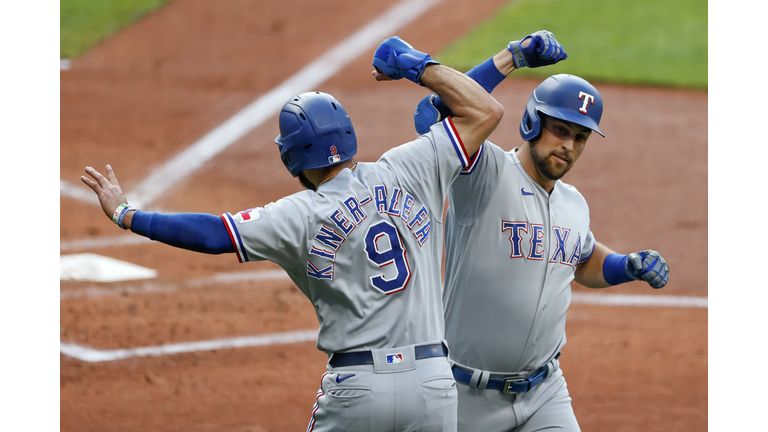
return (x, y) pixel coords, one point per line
(486, 75)
(199, 232)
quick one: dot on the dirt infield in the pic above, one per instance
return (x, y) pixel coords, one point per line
(149, 92)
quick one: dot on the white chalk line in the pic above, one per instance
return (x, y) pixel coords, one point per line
(150, 287)
(81, 193)
(307, 79)
(93, 355)
(102, 242)
(639, 300)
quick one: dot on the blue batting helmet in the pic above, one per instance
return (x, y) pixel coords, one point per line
(315, 132)
(566, 97)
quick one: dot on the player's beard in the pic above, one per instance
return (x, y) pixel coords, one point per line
(546, 166)
(305, 182)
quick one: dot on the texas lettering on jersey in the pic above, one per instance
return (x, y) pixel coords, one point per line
(344, 220)
(528, 240)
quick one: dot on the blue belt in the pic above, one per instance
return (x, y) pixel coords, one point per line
(506, 385)
(357, 358)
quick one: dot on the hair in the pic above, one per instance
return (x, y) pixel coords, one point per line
(322, 172)
(305, 182)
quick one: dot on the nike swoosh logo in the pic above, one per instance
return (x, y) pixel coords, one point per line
(340, 379)
(524, 192)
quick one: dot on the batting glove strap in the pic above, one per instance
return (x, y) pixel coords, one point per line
(543, 50)
(397, 59)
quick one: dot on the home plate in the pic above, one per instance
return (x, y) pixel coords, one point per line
(97, 268)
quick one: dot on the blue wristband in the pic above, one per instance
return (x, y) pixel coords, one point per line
(487, 75)
(614, 269)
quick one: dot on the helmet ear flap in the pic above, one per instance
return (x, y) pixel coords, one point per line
(530, 125)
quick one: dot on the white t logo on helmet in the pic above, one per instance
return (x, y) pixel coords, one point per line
(589, 99)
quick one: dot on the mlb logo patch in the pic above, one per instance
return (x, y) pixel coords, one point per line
(394, 358)
(333, 159)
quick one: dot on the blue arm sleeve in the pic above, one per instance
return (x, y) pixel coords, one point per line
(614, 267)
(486, 75)
(199, 232)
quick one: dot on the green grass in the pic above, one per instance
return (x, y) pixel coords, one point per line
(84, 23)
(652, 42)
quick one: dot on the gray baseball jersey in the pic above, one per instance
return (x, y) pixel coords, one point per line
(365, 249)
(511, 253)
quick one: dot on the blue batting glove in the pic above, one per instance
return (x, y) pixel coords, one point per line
(397, 59)
(648, 266)
(429, 111)
(543, 50)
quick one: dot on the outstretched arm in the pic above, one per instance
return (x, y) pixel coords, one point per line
(606, 268)
(199, 232)
(475, 112)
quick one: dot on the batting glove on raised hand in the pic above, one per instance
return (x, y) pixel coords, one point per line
(429, 111)
(397, 59)
(543, 50)
(648, 266)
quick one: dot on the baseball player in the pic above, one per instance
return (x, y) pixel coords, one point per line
(363, 244)
(516, 236)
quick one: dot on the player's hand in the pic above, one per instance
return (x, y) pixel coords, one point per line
(429, 111)
(107, 189)
(542, 50)
(648, 266)
(397, 59)
(379, 75)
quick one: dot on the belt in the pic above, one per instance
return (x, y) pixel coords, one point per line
(506, 385)
(357, 358)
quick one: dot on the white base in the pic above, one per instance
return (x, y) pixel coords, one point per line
(97, 268)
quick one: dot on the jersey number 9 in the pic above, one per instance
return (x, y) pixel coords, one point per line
(384, 253)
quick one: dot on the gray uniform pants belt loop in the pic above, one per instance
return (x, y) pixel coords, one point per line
(554, 365)
(481, 379)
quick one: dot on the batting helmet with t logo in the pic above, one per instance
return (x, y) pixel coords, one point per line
(315, 132)
(566, 97)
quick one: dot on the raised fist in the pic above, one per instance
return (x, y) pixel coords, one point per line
(648, 266)
(541, 51)
(397, 59)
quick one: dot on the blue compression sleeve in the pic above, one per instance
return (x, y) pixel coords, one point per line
(486, 75)
(199, 232)
(613, 269)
